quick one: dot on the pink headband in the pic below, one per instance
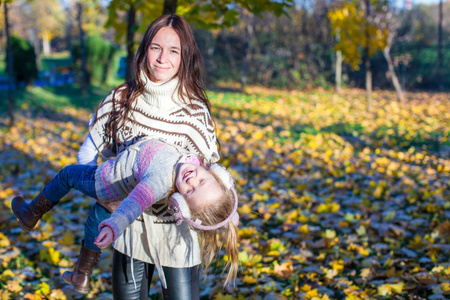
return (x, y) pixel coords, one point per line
(182, 212)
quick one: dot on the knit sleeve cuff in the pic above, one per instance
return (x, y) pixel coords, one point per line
(117, 224)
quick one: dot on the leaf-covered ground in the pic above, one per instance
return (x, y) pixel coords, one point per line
(336, 202)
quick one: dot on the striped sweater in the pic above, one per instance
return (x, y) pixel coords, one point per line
(140, 175)
(160, 113)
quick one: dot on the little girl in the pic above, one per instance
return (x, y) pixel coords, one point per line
(148, 171)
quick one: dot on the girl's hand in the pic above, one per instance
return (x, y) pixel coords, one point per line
(105, 238)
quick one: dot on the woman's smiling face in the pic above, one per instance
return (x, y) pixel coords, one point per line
(164, 55)
(197, 186)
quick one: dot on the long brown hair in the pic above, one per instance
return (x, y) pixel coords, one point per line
(190, 75)
(211, 240)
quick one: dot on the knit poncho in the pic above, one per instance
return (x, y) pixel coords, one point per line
(160, 113)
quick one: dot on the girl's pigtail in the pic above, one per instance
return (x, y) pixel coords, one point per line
(232, 250)
(210, 244)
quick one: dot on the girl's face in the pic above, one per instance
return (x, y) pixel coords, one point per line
(164, 55)
(197, 186)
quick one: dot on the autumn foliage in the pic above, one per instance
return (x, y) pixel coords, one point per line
(355, 30)
(335, 202)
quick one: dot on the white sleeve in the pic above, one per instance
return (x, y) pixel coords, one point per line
(88, 153)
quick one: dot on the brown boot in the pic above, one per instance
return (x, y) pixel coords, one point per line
(79, 277)
(30, 214)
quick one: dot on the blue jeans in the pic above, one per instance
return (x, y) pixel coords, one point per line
(81, 178)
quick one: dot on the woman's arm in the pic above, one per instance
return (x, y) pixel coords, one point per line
(94, 142)
(88, 153)
(214, 151)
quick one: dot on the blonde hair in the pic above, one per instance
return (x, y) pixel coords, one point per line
(210, 243)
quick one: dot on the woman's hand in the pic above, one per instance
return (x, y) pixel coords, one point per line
(105, 238)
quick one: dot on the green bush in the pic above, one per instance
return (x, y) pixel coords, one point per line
(24, 60)
(99, 58)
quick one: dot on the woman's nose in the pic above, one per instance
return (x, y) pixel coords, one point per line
(162, 57)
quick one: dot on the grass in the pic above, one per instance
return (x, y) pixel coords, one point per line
(56, 98)
(307, 112)
(59, 60)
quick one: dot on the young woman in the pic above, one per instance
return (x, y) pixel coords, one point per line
(165, 100)
(141, 175)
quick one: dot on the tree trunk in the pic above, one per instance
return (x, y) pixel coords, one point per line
(130, 42)
(37, 47)
(338, 66)
(46, 48)
(395, 81)
(229, 52)
(368, 82)
(170, 7)
(84, 77)
(367, 60)
(9, 62)
(107, 66)
(69, 26)
(245, 59)
(247, 51)
(338, 71)
(440, 53)
(387, 56)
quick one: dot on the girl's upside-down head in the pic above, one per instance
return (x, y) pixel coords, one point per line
(208, 193)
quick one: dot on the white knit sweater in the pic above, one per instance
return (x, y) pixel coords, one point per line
(160, 113)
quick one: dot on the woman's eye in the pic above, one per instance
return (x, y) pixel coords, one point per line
(154, 48)
(174, 51)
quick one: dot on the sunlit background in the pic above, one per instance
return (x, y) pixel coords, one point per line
(333, 119)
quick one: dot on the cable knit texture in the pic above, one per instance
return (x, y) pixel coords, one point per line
(159, 112)
(140, 175)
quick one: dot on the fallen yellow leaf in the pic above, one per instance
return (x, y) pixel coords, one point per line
(249, 279)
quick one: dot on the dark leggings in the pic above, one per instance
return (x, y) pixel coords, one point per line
(182, 283)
